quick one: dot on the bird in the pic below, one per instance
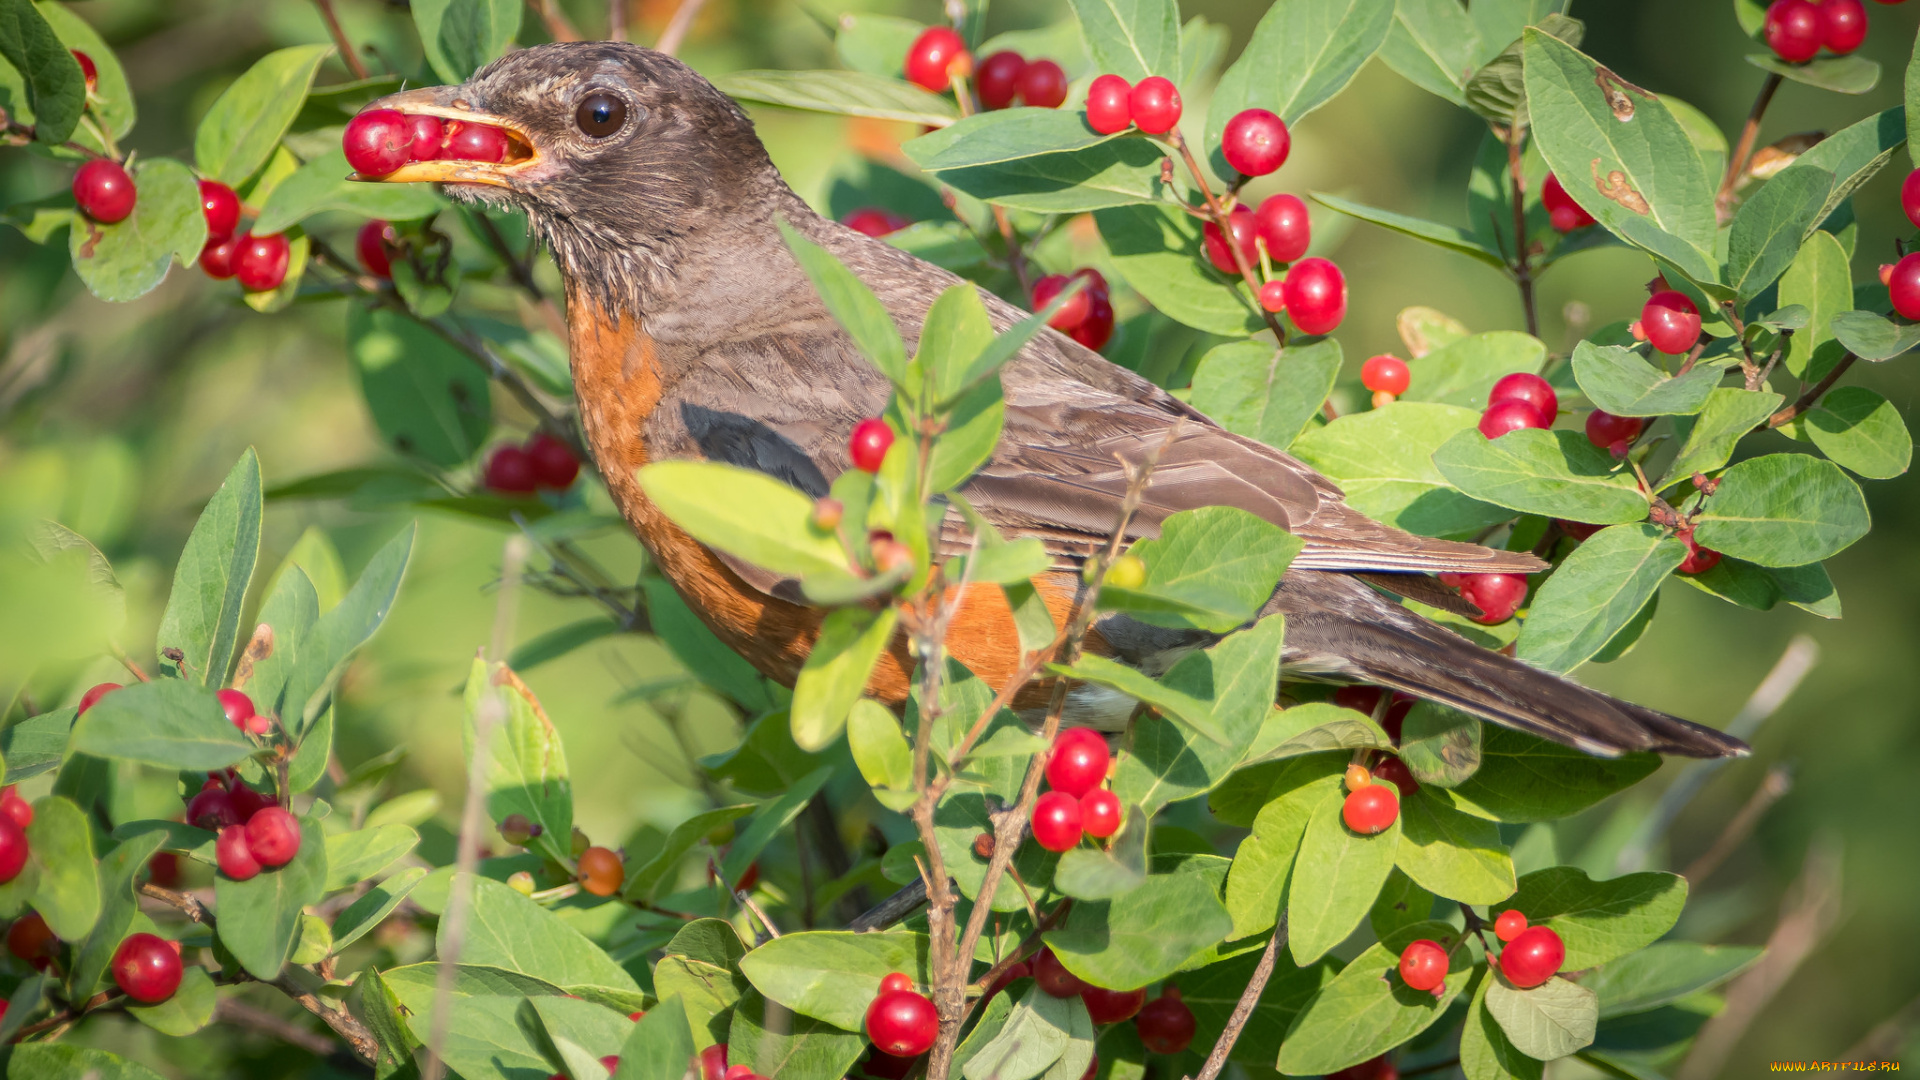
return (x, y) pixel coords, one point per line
(694, 334)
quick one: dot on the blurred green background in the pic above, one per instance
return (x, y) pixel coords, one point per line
(119, 420)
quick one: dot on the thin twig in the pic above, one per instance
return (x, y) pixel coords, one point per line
(1219, 213)
(1250, 997)
(1522, 262)
(558, 28)
(1806, 400)
(748, 902)
(242, 1013)
(185, 903)
(1743, 149)
(677, 27)
(1777, 782)
(893, 908)
(1027, 947)
(347, 55)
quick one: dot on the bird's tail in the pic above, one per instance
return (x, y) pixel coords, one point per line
(1339, 627)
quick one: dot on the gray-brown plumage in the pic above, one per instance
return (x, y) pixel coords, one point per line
(696, 335)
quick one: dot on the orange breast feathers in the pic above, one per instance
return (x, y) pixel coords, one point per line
(616, 377)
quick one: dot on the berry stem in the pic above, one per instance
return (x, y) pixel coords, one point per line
(1743, 149)
(1016, 257)
(1522, 258)
(1243, 1009)
(340, 42)
(1219, 216)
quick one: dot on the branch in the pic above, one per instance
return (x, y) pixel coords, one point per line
(1807, 399)
(1522, 264)
(892, 909)
(243, 1013)
(1179, 142)
(1743, 149)
(677, 27)
(1243, 1011)
(347, 55)
(1778, 781)
(558, 28)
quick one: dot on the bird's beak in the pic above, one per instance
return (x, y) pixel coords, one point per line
(448, 103)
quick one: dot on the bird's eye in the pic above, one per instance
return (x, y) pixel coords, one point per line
(600, 115)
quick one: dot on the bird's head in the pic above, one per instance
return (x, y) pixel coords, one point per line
(618, 154)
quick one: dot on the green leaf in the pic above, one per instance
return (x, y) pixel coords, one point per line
(1551, 473)
(1401, 903)
(1211, 568)
(1336, 876)
(994, 138)
(1252, 389)
(245, 124)
(64, 1061)
(354, 857)
(1440, 746)
(1105, 874)
(36, 744)
(848, 93)
(1769, 227)
(1463, 371)
(876, 44)
(1622, 382)
(879, 749)
(1783, 510)
(1038, 1032)
(973, 430)
(260, 917)
(1595, 593)
(770, 821)
(1523, 778)
(202, 619)
(581, 1033)
(1546, 1022)
(526, 768)
(962, 816)
(836, 671)
(644, 883)
(461, 36)
(485, 1037)
(1821, 281)
(187, 1011)
(322, 185)
(1485, 1051)
(744, 513)
(125, 260)
(1660, 199)
(1367, 1008)
(1874, 337)
(373, 907)
(1383, 460)
(507, 930)
(1152, 931)
(1302, 53)
(1003, 563)
(427, 398)
(1599, 920)
(1451, 237)
(116, 874)
(1433, 44)
(701, 969)
(56, 91)
(1451, 854)
(854, 306)
(1860, 429)
(1174, 702)
(1131, 38)
(1729, 414)
(1214, 991)
(1665, 972)
(660, 1043)
(1157, 250)
(1841, 74)
(171, 723)
(340, 632)
(291, 608)
(1263, 865)
(832, 975)
(1113, 173)
(775, 1043)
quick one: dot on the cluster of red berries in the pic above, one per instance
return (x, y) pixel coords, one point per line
(254, 832)
(1902, 279)
(1366, 699)
(146, 967)
(1562, 212)
(1087, 317)
(1369, 808)
(1313, 292)
(1006, 76)
(541, 462)
(901, 1022)
(258, 263)
(1077, 804)
(1530, 955)
(379, 141)
(1165, 1024)
(1520, 400)
(1375, 1068)
(875, 221)
(713, 1065)
(1114, 105)
(16, 814)
(1797, 29)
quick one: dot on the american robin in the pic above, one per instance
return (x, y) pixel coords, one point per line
(694, 334)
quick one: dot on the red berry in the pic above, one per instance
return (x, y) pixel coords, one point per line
(1378, 1068)
(221, 207)
(1565, 219)
(1532, 957)
(1097, 328)
(429, 136)
(1109, 104)
(1532, 390)
(1579, 530)
(212, 809)
(510, 471)
(1100, 813)
(1019, 969)
(734, 1072)
(1910, 200)
(871, 440)
(1565, 214)
(1508, 925)
(164, 869)
(1155, 104)
(1112, 1006)
(1423, 965)
(902, 1023)
(474, 142)
(238, 707)
(30, 939)
(1316, 296)
(217, 258)
(234, 855)
(247, 802)
(1497, 596)
(260, 262)
(933, 57)
(1056, 821)
(1053, 976)
(1508, 416)
(896, 980)
(1273, 295)
(1391, 770)
(273, 835)
(1255, 142)
(1165, 1024)
(1610, 432)
(374, 245)
(553, 461)
(1699, 560)
(1363, 699)
(1903, 286)
(883, 1066)
(713, 1062)
(1671, 321)
(1846, 24)
(874, 221)
(13, 848)
(998, 79)
(377, 141)
(89, 71)
(1043, 85)
(1241, 224)
(1073, 312)
(15, 807)
(1282, 224)
(1078, 762)
(94, 694)
(147, 968)
(601, 872)
(103, 191)
(1370, 809)
(1385, 375)
(1795, 30)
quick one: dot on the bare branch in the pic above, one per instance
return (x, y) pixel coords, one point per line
(677, 27)
(340, 42)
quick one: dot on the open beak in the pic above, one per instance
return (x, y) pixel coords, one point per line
(447, 103)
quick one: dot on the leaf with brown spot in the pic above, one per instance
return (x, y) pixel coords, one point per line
(1620, 190)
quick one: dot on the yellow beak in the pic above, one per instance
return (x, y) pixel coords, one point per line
(445, 102)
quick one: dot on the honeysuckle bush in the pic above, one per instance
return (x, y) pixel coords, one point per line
(513, 969)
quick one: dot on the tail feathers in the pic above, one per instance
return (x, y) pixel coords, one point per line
(1338, 627)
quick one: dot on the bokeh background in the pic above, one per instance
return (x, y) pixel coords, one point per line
(119, 420)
